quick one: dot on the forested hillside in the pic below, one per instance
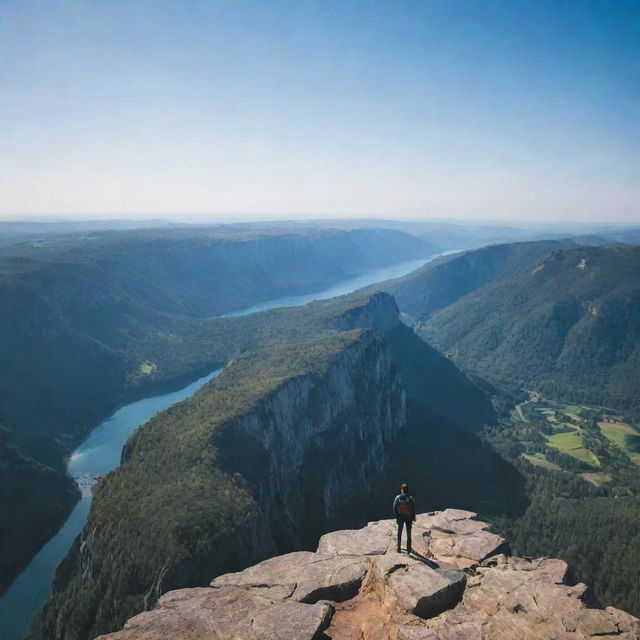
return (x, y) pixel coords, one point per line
(93, 321)
(568, 327)
(439, 284)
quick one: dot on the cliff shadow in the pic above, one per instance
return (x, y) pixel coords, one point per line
(446, 466)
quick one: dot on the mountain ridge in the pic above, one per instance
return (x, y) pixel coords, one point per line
(538, 328)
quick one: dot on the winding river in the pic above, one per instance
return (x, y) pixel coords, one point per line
(100, 453)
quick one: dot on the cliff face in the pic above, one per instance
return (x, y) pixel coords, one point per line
(90, 324)
(262, 460)
(315, 444)
(380, 311)
(459, 584)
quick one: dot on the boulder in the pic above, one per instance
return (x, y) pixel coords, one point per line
(526, 599)
(461, 623)
(452, 521)
(473, 547)
(376, 538)
(227, 612)
(302, 576)
(424, 591)
(625, 621)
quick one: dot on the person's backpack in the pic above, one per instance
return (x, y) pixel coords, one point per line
(405, 508)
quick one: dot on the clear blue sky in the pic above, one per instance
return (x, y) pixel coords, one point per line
(247, 108)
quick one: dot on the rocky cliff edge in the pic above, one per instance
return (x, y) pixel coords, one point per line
(461, 583)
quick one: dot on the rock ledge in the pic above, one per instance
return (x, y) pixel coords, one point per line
(459, 584)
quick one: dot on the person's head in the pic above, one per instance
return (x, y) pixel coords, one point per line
(404, 488)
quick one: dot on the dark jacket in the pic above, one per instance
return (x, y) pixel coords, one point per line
(404, 508)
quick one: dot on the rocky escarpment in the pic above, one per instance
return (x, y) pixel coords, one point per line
(380, 311)
(302, 433)
(91, 324)
(315, 444)
(276, 450)
(459, 584)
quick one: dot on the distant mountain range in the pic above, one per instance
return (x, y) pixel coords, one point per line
(443, 233)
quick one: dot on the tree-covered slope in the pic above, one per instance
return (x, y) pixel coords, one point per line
(439, 284)
(569, 327)
(308, 427)
(28, 489)
(92, 321)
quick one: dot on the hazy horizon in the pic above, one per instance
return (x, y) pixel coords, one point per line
(238, 110)
(187, 219)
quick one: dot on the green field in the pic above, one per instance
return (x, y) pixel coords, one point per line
(540, 460)
(573, 409)
(147, 368)
(570, 442)
(565, 427)
(617, 433)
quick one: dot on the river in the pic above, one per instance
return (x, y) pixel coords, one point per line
(100, 453)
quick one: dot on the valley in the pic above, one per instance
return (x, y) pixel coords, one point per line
(551, 330)
(326, 399)
(101, 452)
(355, 374)
(597, 439)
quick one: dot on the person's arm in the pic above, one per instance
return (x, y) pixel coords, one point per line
(395, 506)
(413, 507)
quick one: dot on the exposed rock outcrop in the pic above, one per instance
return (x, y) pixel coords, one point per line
(380, 311)
(356, 587)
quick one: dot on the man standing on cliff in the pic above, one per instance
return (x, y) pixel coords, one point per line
(404, 508)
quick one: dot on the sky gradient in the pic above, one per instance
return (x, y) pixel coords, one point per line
(241, 109)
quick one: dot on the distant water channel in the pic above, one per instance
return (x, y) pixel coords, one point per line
(100, 453)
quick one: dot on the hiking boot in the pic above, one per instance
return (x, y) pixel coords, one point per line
(398, 550)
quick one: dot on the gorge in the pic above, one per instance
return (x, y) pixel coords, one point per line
(316, 408)
(318, 411)
(101, 452)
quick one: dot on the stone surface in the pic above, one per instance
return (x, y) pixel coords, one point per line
(451, 521)
(424, 591)
(416, 633)
(376, 538)
(469, 546)
(378, 594)
(526, 600)
(302, 576)
(223, 614)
